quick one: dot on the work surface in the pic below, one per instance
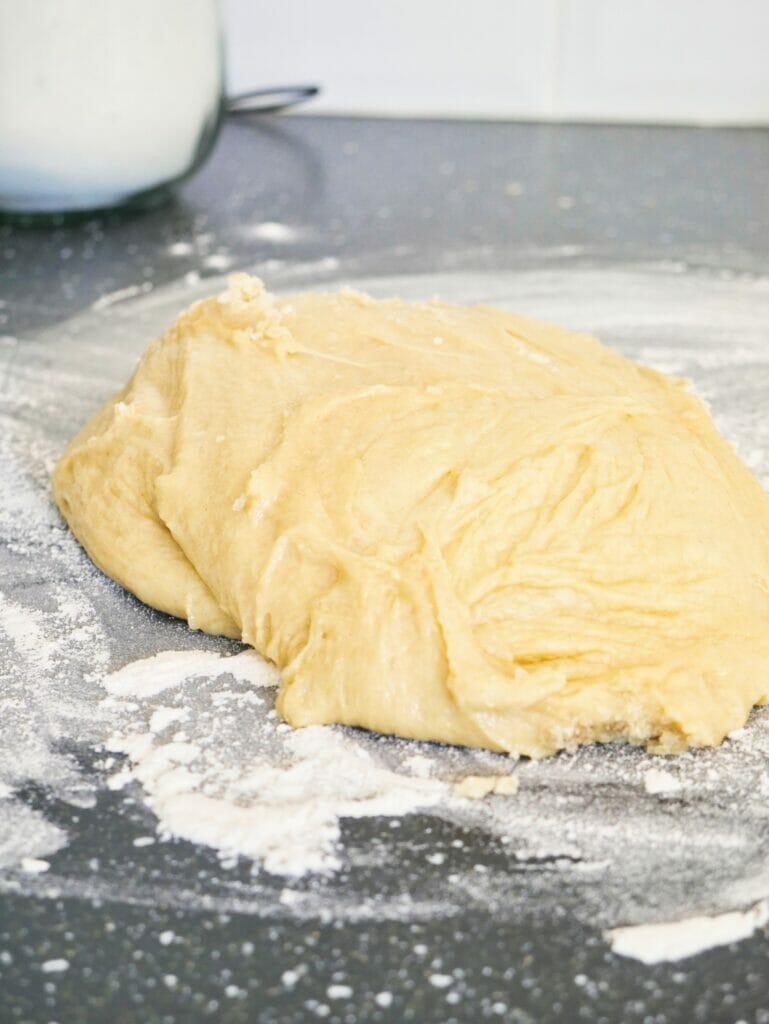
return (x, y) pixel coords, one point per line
(658, 241)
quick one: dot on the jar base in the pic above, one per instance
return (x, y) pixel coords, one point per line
(53, 214)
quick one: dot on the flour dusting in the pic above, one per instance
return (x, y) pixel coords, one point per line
(677, 940)
(51, 645)
(280, 798)
(151, 676)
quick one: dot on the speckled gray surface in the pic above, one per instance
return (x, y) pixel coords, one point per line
(315, 198)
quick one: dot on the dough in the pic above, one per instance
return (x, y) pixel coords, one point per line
(441, 522)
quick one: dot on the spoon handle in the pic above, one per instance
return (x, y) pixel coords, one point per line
(269, 101)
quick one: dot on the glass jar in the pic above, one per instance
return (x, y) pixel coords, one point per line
(105, 102)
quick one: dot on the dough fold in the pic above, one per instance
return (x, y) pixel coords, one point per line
(441, 522)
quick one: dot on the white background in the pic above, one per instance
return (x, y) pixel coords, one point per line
(700, 61)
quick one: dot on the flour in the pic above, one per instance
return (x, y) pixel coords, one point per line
(54, 966)
(335, 823)
(676, 940)
(25, 835)
(273, 231)
(121, 294)
(657, 781)
(34, 865)
(475, 787)
(24, 628)
(280, 800)
(51, 640)
(151, 676)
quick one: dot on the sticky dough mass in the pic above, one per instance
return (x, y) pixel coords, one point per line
(443, 522)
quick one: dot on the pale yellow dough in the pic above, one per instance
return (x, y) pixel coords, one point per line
(442, 522)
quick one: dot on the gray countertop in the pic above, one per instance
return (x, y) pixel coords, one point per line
(399, 194)
(353, 196)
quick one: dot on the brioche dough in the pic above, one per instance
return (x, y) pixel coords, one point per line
(442, 522)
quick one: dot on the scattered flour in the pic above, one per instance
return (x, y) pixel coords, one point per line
(181, 248)
(168, 669)
(50, 642)
(54, 966)
(660, 782)
(440, 980)
(476, 787)
(34, 865)
(25, 629)
(218, 261)
(339, 992)
(273, 231)
(121, 294)
(26, 836)
(676, 940)
(163, 717)
(281, 802)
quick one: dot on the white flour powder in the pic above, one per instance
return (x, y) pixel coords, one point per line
(676, 940)
(280, 800)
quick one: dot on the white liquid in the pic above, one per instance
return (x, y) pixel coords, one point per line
(101, 99)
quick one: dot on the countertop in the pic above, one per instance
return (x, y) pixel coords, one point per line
(373, 197)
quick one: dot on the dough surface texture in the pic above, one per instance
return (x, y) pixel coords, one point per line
(442, 522)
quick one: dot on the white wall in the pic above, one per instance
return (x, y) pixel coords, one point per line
(624, 60)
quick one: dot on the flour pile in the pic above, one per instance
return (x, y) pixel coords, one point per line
(219, 768)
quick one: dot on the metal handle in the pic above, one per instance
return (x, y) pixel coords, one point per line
(269, 101)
